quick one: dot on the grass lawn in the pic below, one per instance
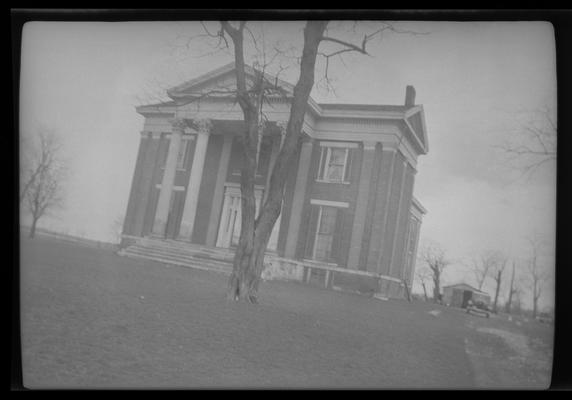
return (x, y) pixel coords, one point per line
(92, 319)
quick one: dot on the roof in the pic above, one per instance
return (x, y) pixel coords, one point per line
(194, 86)
(163, 104)
(466, 286)
(411, 116)
(363, 107)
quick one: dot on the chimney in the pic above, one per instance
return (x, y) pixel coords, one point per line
(409, 96)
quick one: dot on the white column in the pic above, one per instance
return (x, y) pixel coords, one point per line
(162, 211)
(223, 221)
(196, 176)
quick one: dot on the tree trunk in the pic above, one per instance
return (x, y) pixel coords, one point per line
(497, 291)
(243, 279)
(425, 292)
(407, 292)
(511, 291)
(249, 257)
(436, 286)
(33, 228)
(535, 298)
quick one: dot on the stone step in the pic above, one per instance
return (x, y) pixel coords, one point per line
(224, 254)
(166, 253)
(142, 253)
(182, 253)
(135, 253)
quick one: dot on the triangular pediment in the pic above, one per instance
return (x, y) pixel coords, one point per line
(222, 82)
(416, 120)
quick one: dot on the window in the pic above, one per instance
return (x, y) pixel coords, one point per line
(334, 164)
(181, 157)
(325, 233)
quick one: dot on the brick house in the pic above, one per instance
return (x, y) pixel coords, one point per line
(349, 199)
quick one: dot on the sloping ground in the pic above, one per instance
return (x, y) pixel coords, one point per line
(507, 355)
(92, 319)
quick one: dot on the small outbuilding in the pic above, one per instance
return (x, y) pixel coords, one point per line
(459, 294)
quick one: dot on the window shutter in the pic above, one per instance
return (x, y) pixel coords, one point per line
(322, 166)
(348, 171)
(312, 227)
(337, 251)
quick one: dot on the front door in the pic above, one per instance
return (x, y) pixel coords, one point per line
(230, 222)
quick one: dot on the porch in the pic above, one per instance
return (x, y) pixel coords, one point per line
(219, 260)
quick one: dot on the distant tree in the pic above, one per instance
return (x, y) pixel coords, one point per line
(516, 304)
(42, 170)
(535, 143)
(512, 289)
(434, 258)
(536, 276)
(423, 275)
(481, 267)
(498, 267)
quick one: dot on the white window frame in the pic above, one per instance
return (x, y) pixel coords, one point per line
(339, 204)
(321, 209)
(326, 148)
(320, 204)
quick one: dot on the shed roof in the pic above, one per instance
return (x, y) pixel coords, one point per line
(465, 286)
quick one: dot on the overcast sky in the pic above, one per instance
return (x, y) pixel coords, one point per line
(476, 81)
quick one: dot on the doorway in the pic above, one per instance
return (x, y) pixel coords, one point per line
(230, 221)
(467, 295)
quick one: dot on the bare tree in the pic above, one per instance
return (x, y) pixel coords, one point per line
(434, 258)
(516, 303)
(535, 144)
(423, 275)
(536, 276)
(42, 171)
(499, 265)
(251, 94)
(481, 267)
(512, 289)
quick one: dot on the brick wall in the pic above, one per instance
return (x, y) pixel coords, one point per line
(390, 228)
(398, 259)
(371, 205)
(143, 185)
(378, 214)
(332, 192)
(134, 198)
(158, 160)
